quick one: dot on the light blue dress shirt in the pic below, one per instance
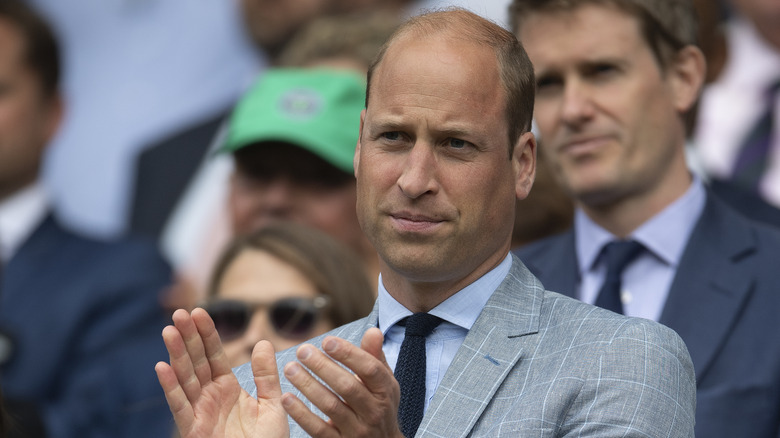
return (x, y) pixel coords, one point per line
(647, 279)
(458, 312)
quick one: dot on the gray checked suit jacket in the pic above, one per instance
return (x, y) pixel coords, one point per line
(540, 364)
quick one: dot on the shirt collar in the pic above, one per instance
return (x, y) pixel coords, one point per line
(20, 214)
(665, 235)
(461, 309)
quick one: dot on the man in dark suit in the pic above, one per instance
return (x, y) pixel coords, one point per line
(614, 82)
(79, 318)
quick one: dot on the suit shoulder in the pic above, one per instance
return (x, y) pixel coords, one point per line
(541, 246)
(589, 319)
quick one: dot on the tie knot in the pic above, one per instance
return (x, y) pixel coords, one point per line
(620, 253)
(421, 324)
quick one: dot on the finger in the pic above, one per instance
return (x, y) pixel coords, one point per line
(174, 394)
(372, 343)
(368, 364)
(332, 374)
(217, 360)
(265, 371)
(193, 342)
(308, 420)
(181, 363)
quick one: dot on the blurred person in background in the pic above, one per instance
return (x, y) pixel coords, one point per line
(79, 318)
(737, 135)
(161, 189)
(285, 283)
(292, 138)
(187, 209)
(615, 82)
(133, 73)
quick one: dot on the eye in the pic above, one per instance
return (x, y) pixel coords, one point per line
(457, 143)
(391, 136)
(602, 70)
(548, 84)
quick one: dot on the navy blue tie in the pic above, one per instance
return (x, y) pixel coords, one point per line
(618, 255)
(410, 370)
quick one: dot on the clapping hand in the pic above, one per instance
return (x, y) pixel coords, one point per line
(207, 401)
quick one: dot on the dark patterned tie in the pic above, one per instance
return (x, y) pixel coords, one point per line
(410, 370)
(753, 156)
(618, 255)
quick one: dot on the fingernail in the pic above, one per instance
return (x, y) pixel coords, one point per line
(304, 352)
(287, 400)
(330, 345)
(291, 369)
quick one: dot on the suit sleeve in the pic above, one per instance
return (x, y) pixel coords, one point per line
(108, 387)
(642, 385)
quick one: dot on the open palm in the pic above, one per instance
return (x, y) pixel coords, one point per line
(205, 397)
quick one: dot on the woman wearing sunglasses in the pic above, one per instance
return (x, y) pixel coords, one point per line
(285, 283)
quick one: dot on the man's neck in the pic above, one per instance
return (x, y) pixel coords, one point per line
(419, 295)
(627, 214)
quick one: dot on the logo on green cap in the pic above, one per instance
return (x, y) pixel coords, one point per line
(301, 103)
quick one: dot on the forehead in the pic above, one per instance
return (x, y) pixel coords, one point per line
(436, 70)
(586, 33)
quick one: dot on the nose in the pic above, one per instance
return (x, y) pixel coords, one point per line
(576, 106)
(418, 176)
(257, 330)
(276, 199)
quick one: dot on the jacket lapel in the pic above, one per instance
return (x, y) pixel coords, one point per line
(489, 352)
(712, 283)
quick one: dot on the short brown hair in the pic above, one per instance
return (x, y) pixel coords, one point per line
(667, 25)
(332, 267)
(41, 51)
(356, 36)
(514, 66)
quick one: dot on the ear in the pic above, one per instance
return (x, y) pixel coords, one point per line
(524, 164)
(356, 158)
(686, 75)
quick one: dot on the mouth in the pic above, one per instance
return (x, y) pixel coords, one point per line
(412, 222)
(583, 146)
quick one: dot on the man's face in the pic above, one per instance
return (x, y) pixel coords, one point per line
(272, 23)
(608, 117)
(436, 185)
(27, 118)
(285, 183)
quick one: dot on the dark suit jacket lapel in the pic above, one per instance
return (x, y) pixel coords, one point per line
(490, 351)
(32, 258)
(712, 283)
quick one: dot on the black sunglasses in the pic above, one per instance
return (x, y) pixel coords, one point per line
(291, 318)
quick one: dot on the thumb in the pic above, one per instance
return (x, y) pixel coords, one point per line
(372, 343)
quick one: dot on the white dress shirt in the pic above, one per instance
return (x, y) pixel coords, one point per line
(647, 279)
(459, 313)
(20, 215)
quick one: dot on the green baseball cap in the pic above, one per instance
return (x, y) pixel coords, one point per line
(315, 109)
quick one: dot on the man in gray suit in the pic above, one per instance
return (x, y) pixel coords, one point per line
(444, 151)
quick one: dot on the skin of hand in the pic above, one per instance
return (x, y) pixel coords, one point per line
(207, 401)
(363, 404)
(204, 396)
